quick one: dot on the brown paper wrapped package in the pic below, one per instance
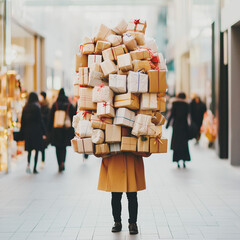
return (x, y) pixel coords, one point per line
(138, 25)
(119, 50)
(101, 149)
(161, 101)
(130, 42)
(143, 144)
(141, 65)
(139, 37)
(103, 32)
(83, 76)
(113, 133)
(85, 99)
(115, 40)
(100, 123)
(101, 46)
(108, 67)
(158, 145)
(162, 84)
(105, 109)
(157, 81)
(124, 62)
(158, 118)
(121, 28)
(88, 46)
(128, 100)
(129, 144)
(97, 136)
(81, 60)
(82, 145)
(108, 54)
(146, 112)
(140, 54)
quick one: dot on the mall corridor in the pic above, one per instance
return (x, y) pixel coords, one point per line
(199, 202)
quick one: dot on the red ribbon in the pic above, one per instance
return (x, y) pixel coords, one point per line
(136, 22)
(80, 47)
(100, 87)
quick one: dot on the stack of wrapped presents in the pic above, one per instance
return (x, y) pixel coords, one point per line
(120, 85)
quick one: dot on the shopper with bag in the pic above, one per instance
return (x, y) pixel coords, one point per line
(180, 136)
(60, 127)
(123, 172)
(32, 129)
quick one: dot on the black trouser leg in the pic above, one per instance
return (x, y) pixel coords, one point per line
(29, 157)
(35, 161)
(43, 155)
(132, 206)
(116, 206)
(61, 155)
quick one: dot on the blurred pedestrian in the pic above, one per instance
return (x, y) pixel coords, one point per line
(45, 110)
(32, 129)
(197, 110)
(179, 116)
(60, 127)
(120, 173)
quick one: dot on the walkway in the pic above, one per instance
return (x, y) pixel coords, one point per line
(200, 202)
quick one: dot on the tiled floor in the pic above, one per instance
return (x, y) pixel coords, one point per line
(200, 202)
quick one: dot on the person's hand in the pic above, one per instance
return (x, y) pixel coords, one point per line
(44, 137)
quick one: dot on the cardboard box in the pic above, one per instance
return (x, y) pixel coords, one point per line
(129, 144)
(108, 67)
(137, 82)
(115, 147)
(81, 60)
(105, 109)
(158, 145)
(119, 50)
(161, 104)
(143, 125)
(146, 112)
(157, 81)
(108, 54)
(83, 76)
(81, 115)
(140, 54)
(157, 131)
(158, 118)
(143, 144)
(92, 59)
(139, 37)
(103, 32)
(138, 25)
(96, 79)
(100, 123)
(130, 42)
(87, 47)
(102, 94)
(85, 99)
(84, 129)
(82, 145)
(112, 133)
(127, 100)
(101, 149)
(149, 101)
(124, 62)
(141, 65)
(124, 117)
(97, 136)
(115, 40)
(76, 89)
(118, 83)
(121, 27)
(101, 46)
(162, 84)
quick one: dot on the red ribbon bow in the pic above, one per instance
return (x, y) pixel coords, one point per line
(136, 22)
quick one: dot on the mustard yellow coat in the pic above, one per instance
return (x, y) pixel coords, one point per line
(123, 172)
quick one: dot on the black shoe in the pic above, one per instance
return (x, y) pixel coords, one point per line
(35, 171)
(133, 229)
(178, 165)
(184, 165)
(117, 227)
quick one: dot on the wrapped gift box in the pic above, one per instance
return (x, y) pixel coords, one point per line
(115, 40)
(108, 54)
(143, 65)
(143, 125)
(130, 42)
(140, 54)
(158, 118)
(118, 83)
(124, 117)
(76, 89)
(161, 103)
(146, 112)
(96, 79)
(137, 25)
(81, 60)
(81, 115)
(115, 147)
(143, 144)
(158, 145)
(108, 67)
(127, 100)
(97, 136)
(101, 149)
(83, 145)
(157, 131)
(149, 101)
(157, 81)
(162, 63)
(120, 72)
(103, 32)
(129, 144)
(162, 82)
(119, 50)
(124, 62)
(92, 59)
(83, 76)
(105, 109)
(85, 99)
(101, 46)
(137, 82)
(121, 27)
(150, 43)
(88, 46)
(139, 37)
(100, 123)
(102, 94)
(84, 129)
(113, 133)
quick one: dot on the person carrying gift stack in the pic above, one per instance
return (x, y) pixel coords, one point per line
(121, 86)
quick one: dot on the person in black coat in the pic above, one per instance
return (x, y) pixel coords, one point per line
(60, 137)
(32, 129)
(179, 115)
(197, 110)
(45, 110)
